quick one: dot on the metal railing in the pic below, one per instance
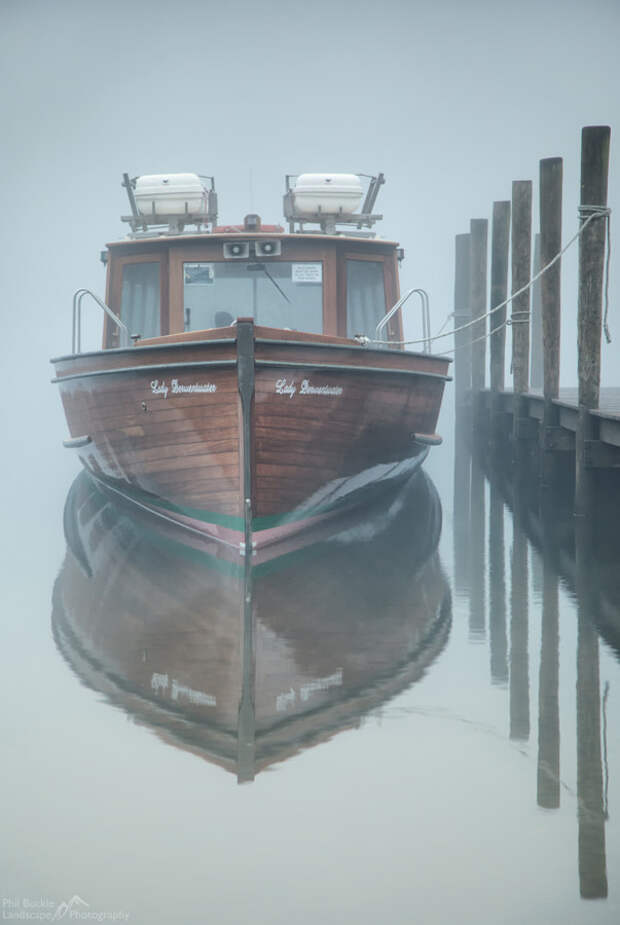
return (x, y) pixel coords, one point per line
(426, 317)
(77, 320)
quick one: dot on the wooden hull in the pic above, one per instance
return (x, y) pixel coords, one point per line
(249, 434)
(246, 666)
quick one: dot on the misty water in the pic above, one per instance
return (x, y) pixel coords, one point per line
(381, 727)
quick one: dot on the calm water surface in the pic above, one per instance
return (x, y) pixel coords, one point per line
(408, 721)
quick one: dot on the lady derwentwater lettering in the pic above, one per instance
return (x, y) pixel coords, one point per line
(284, 387)
(159, 387)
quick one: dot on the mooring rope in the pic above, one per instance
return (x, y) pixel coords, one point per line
(601, 212)
(590, 213)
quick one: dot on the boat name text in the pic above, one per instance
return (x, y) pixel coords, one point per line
(160, 387)
(284, 387)
(289, 698)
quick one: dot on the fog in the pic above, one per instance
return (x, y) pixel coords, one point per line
(451, 100)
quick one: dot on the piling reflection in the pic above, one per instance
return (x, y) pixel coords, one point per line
(498, 641)
(519, 656)
(550, 547)
(477, 581)
(247, 665)
(592, 862)
(548, 781)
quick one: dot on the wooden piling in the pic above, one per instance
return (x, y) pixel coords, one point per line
(477, 306)
(551, 169)
(536, 346)
(594, 170)
(462, 340)
(462, 398)
(499, 291)
(521, 274)
(521, 270)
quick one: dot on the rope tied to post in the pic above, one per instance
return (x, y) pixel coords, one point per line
(586, 214)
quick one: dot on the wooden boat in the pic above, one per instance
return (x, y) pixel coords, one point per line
(251, 402)
(244, 665)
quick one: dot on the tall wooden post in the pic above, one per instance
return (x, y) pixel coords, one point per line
(462, 426)
(462, 342)
(594, 170)
(551, 169)
(536, 374)
(499, 291)
(521, 271)
(477, 306)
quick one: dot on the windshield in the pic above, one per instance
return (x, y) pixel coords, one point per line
(278, 294)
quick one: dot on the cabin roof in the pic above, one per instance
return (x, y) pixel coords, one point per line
(199, 238)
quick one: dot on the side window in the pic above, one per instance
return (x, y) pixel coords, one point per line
(140, 298)
(365, 296)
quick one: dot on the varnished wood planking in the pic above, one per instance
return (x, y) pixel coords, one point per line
(305, 441)
(186, 447)
(120, 404)
(191, 454)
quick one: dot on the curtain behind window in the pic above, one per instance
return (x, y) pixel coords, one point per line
(365, 296)
(140, 298)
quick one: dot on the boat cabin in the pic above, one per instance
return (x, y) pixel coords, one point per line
(320, 282)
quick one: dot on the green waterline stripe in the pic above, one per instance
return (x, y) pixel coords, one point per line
(224, 566)
(233, 522)
(189, 553)
(223, 520)
(214, 517)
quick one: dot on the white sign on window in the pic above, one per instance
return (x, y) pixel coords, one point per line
(198, 274)
(307, 272)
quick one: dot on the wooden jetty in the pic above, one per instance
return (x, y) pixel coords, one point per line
(560, 438)
(550, 453)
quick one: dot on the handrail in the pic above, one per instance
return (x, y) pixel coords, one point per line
(426, 316)
(77, 319)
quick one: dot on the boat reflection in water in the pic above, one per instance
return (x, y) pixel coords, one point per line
(242, 664)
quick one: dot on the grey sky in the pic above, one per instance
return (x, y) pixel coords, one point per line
(451, 100)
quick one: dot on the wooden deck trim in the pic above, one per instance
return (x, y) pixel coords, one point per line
(117, 350)
(348, 344)
(343, 367)
(149, 367)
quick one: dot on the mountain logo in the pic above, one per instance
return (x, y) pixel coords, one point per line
(64, 908)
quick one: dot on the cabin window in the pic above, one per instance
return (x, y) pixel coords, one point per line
(140, 298)
(278, 294)
(365, 296)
